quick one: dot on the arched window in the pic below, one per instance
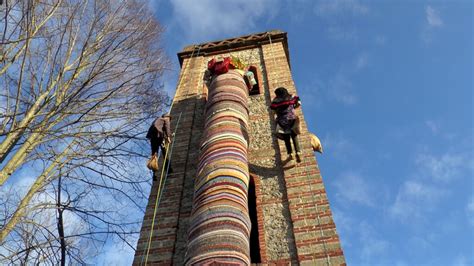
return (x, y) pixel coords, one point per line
(256, 89)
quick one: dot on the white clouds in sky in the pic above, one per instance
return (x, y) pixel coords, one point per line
(373, 245)
(362, 237)
(461, 260)
(470, 210)
(433, 17)
(342, 33)
(362, 61)
(206, 18)
(337, 88)
(433, 126)
(340, 16)
(433, 21)
(341, 89)
(353, 188)
(339, 146)
(430, 182)
(442, 168)
(116, 254)
(335, 7)
(311, 93)
(414, 199)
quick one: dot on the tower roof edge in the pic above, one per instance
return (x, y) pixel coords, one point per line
(234, 44)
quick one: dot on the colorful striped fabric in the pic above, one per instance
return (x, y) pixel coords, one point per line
(220, 224)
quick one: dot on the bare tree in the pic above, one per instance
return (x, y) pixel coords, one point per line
(79, 83)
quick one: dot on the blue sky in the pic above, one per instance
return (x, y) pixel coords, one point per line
(388, 86)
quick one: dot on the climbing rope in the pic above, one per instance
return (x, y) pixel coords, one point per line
(272, 55)
(161, 185)
(191, 62)
(163, 177)
(328, 261)
(157, 203)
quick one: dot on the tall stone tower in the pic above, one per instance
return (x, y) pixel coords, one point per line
(233, 196)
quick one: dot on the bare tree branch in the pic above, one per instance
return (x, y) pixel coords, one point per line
(80, 81)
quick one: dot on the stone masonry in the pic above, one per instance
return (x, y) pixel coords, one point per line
(295, 222)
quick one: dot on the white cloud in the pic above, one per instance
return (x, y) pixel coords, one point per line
(312, 93)
(372, 245)
(353, 188)
(338, 146)
(340, 89)
(344, 225)
(421, 191)
(116, 254)
(380, 40)
(340, 15)
(433, 126)
(433, 18)
(443, 168)
(362, 237)
(342, 33)
(414, 199)
(335, 7)
(207, 19)
(298, 10)
(337, 88)
(470, 210)
(362, 61)
(461, 260)
(433, 22)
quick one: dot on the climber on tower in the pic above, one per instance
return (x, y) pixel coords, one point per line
(287, 128)
(159, 132)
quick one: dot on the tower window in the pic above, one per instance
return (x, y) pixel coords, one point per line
(255, 88)
(254, 242)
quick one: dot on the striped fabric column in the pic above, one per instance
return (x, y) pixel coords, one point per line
(220, 226)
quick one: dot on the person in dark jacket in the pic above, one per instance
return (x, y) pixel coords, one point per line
(159, 135)
(284, 105)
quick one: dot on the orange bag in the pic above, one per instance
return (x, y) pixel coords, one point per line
(152, 163)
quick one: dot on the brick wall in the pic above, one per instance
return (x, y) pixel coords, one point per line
(314, 230)
(169, 232)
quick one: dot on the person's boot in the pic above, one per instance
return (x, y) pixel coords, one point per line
(298, 158)
(290, 157)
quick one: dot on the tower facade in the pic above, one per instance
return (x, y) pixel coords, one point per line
(233, 197)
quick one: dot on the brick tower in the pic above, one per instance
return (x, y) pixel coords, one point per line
(283, 202)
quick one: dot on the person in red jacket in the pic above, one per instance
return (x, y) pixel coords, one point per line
(159, 135)
(284, 105)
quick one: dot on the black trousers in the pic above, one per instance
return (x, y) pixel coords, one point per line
(156, 143)
(287, 138)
